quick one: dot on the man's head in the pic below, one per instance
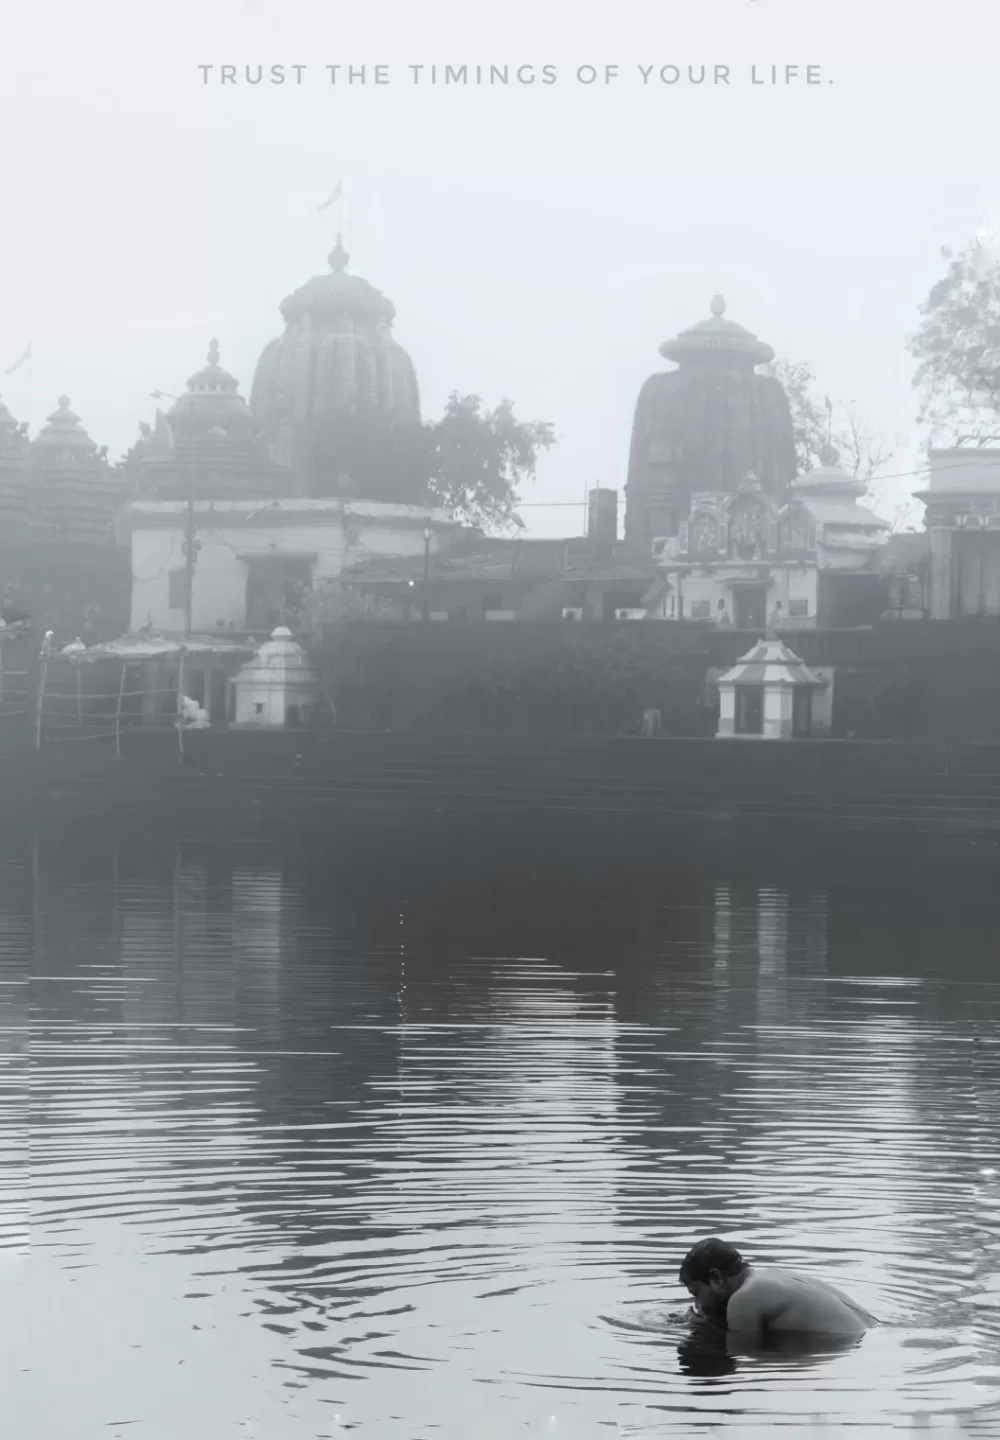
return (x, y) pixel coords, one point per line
(712, 1271)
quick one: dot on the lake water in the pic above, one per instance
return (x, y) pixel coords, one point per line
(412, 1143)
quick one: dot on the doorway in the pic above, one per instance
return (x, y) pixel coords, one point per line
(750, 607)
(274, 587)
(749, 709)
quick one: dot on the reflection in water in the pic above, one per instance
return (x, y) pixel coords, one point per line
(709, 1350)
(416, 1143)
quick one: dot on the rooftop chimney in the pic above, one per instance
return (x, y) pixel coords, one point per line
(602, 519)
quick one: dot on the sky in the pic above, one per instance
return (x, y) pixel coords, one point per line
(539, 241)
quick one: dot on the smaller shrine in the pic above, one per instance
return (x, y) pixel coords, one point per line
(279, 687)
(206, 446)
(752, 560)
(767, 695)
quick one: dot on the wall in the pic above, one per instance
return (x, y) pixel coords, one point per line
(895, 680)
(555, 677)
(785, 584)
(259, 779)
(220, 578)
(964, 471)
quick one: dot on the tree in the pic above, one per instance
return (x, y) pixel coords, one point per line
(957, 348)
(811, 417)
(477, 459)
(841, 435)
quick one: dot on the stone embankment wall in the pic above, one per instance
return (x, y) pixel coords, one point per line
(288, 778)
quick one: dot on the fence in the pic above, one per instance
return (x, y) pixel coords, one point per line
(64, 703)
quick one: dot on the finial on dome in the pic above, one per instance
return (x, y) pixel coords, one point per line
(718, 306)
(338, 256)
(213, 352)
(63, 402)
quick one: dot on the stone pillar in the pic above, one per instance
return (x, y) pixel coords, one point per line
(727, 712)
(941, 574)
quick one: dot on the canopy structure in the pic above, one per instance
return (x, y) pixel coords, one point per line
(144, 646)
(767, 695)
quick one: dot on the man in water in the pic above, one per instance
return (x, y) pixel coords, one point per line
(756, 1303)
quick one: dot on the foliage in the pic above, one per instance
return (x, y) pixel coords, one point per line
(957, 348)
(477, 460)
(473, 461)
(841, 435)
(563, 679)
(811, 418)
(312, 607)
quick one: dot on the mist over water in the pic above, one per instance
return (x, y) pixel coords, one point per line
(414, 1142)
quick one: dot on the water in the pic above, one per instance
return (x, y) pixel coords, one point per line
(414, 1143)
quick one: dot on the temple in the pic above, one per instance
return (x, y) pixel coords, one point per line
(207, 445)
(336, 397)
(704, 427)
(751, 560)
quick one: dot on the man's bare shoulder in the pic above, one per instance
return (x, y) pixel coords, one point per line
(788, 1298)
(763, 1295)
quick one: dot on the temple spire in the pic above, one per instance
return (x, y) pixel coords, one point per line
(338, 256)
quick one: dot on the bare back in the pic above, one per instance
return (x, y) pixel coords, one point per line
(785, 1301)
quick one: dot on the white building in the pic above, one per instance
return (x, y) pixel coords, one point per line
(278, 687)
(250, 555)
(768, 695)
(749, 561)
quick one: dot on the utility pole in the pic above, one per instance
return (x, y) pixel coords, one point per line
(426, 606)
(191, 548)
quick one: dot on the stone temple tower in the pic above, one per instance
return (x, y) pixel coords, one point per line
(705, 426)
(335, 395)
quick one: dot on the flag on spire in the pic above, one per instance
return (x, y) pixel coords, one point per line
(331, 198)
(22, 361)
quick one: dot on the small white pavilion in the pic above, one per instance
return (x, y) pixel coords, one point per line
(279, 686)
(767, 695)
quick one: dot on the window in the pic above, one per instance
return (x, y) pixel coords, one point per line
(176, 590)
(749, 709)
(701, 610)
(798, 607)
(802, 701)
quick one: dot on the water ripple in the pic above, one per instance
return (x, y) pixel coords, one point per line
(348, 1168)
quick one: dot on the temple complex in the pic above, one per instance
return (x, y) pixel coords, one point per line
(704, 427)
(322, 477)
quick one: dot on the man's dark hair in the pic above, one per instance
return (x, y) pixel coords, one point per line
(709, 1255)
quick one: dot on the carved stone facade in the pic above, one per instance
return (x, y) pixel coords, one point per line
(752, 560)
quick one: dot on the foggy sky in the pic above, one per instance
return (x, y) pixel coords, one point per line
(538, 242)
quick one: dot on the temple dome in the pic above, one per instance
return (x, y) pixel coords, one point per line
(15, 485)
(335, 391)
(207, 440)
(717, 336)
(704, 426)
(213, 398)
(74, 492)
(338, 294)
